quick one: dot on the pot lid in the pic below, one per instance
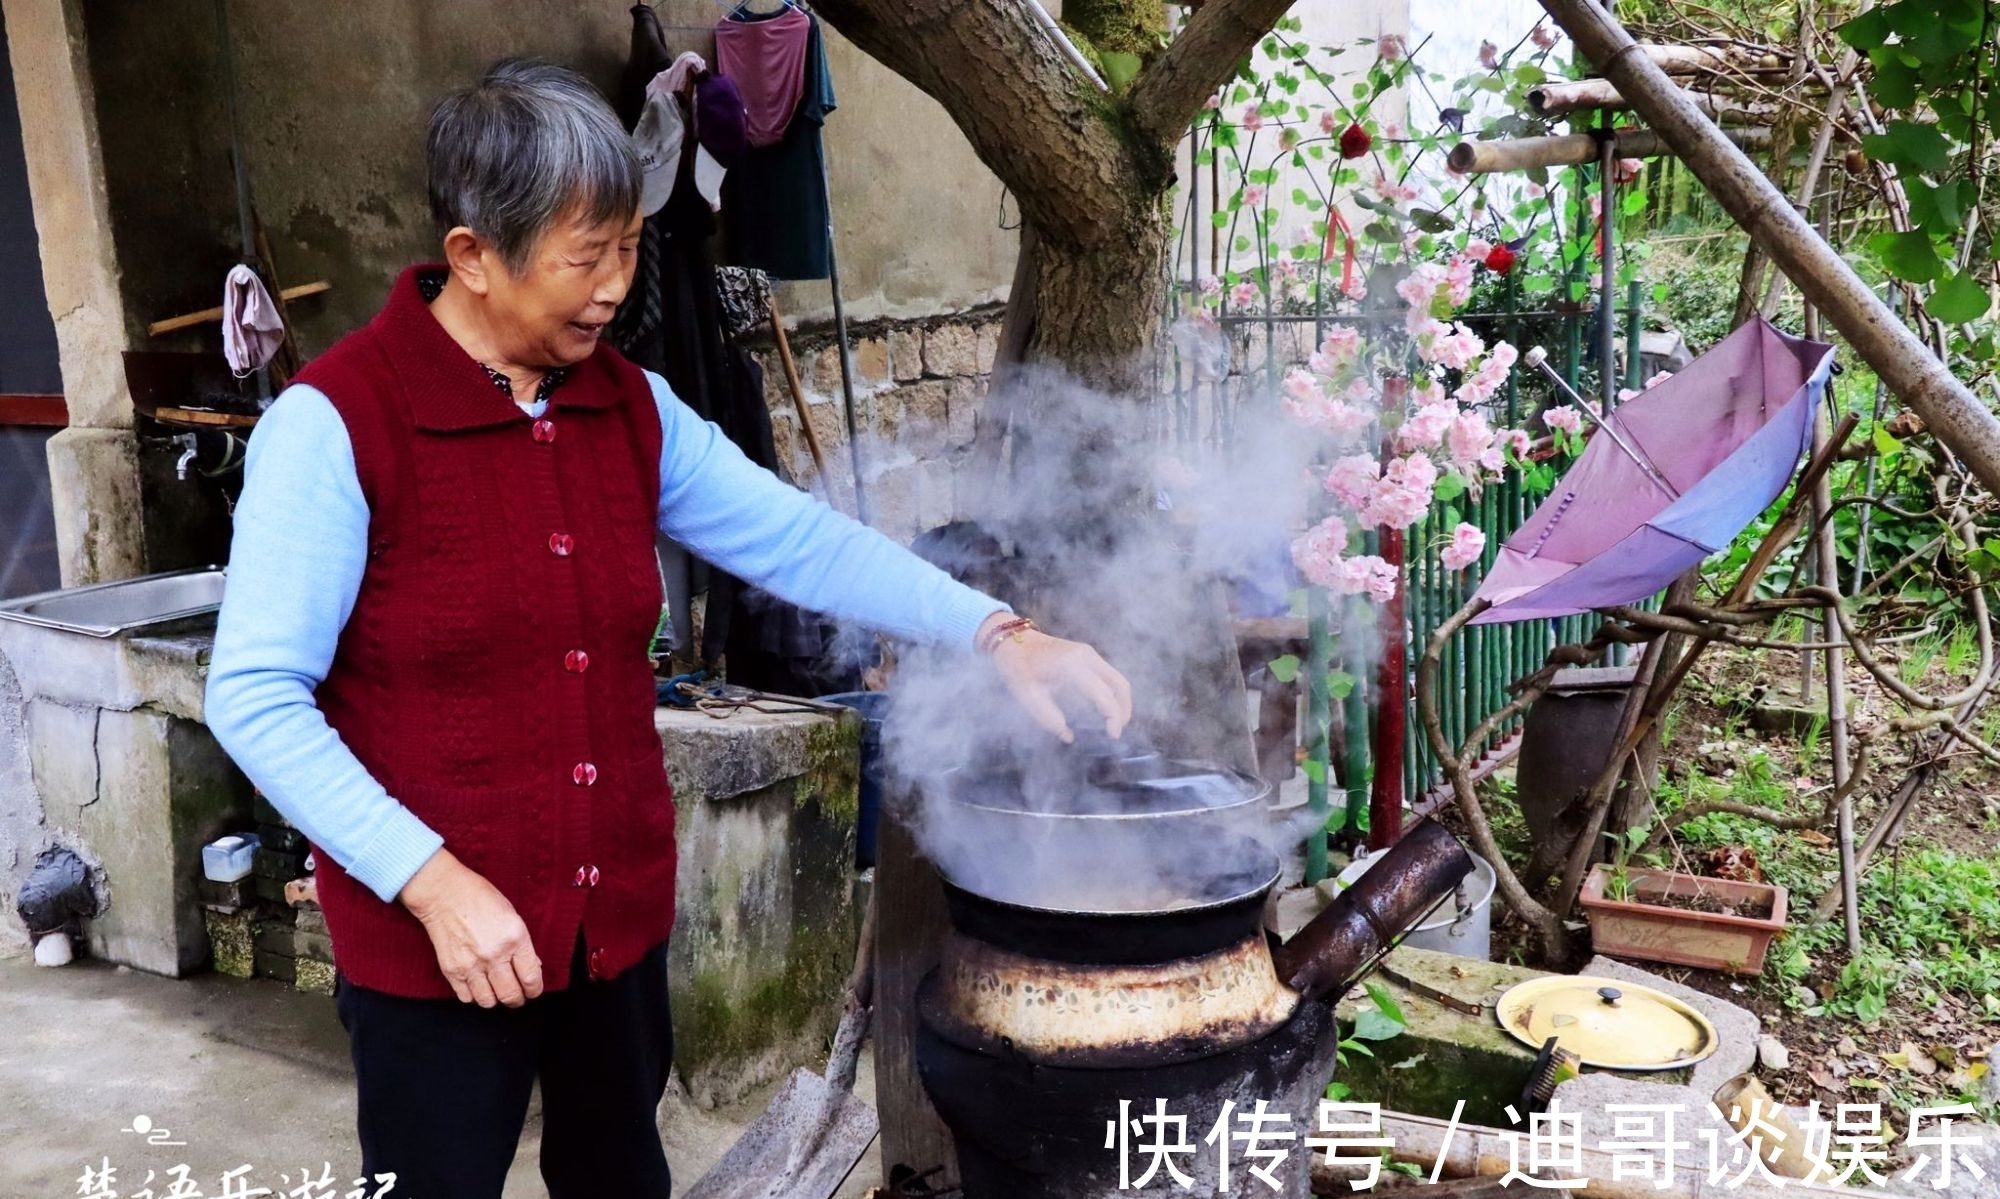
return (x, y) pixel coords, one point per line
(1609, 1023)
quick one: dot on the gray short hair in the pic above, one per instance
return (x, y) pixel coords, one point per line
(526, 145)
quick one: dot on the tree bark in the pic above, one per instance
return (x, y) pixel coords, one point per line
(1900, 359)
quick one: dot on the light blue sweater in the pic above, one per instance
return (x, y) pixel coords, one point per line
(295, 567)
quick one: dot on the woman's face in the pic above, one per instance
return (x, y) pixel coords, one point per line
(553, 312)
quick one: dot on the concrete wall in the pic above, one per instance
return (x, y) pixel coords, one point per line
(333, 109)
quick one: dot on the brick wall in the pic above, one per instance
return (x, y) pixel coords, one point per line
(918, 388)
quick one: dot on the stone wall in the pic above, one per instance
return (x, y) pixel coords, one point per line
(918, 385)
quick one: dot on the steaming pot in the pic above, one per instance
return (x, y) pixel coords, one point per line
(1062, 993)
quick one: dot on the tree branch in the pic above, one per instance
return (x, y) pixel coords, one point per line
(1167, 95)
(1030, 116)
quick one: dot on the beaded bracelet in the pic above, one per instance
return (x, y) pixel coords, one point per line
(1005, 631)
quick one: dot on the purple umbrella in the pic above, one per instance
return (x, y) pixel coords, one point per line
(1685, 467)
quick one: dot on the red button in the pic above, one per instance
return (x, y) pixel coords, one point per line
(582, 877)
(562, 545)
(597, 963)
(544, 431)
(576, 661)
(593, 876)
(584, 775)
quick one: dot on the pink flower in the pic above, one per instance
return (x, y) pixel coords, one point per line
(1389, 190)
(1658, 379)
(1517, 443)
(1469, 437)
(1535, 191)
(1458, 279)
(1355, 289)
(1213, 102)
(1389, 47)
(1253, 196)
(1564, 417)
(1403, 494)
(1454, 350)
(1502, 357)
(1287, 268)
(1429, 392)
(1243, 295)
(1467, 543)
(1627, 170)
(1352, 479)
(1326, 122)
(1391, 129)
(1543, 36)
(1478, 248)
(1210, 285)
(1419, 288)
(1489, 56)
(1253, 117)
(1425, 429)
(1317, 554)
(1366, 573)
(1340, 346)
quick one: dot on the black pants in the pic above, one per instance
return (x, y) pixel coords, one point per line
(444, 1085)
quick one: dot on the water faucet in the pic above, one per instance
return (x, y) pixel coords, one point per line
(189, 446)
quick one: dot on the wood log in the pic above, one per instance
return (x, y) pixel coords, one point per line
(1698, 60)
(1899, 357)
(1573, 149)
(189, 320)
(1601, 95)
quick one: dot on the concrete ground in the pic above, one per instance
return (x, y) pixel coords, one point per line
(97, 1060)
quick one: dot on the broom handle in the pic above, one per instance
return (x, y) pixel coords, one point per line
(824, 481)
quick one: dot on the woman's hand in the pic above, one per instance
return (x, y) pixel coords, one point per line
(482, 944)
(1037, 668)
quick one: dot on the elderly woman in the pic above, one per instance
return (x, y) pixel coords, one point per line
(431, 656)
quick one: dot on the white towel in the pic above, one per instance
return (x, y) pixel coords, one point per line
(251, 328)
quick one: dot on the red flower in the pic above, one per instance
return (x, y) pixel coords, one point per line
(1500, 259)
(1354, 141)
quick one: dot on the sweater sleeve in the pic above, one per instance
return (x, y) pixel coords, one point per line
(739, 516)
(295, 566)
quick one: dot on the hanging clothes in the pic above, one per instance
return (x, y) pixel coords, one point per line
(657, 139)
(766, 56)
(673, 322)
(778, 217)
(252, 330)
(647, 58)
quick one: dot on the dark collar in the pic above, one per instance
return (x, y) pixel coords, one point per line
(449, 389)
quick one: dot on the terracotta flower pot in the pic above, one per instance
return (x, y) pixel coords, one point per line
(1641, 926)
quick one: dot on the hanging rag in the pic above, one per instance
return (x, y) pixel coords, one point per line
(766, 56)
(688, 67)
(252, 330)
(648, 57)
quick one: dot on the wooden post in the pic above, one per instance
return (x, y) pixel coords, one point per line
(1899, 357)
(909, 933)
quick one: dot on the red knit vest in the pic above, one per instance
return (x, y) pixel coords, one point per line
(493, 674)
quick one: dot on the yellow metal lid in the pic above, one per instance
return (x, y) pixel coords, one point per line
(1610, 1024)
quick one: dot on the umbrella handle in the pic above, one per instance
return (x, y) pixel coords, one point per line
(1538, 358)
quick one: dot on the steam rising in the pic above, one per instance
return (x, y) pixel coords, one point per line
(1135, 548)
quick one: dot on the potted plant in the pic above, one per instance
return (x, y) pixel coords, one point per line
(1685, 919)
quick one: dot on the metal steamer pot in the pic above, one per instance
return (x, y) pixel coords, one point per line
(1139, 939)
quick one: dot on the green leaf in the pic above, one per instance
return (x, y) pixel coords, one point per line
(1895, 82)
(1448, 486)
(1868, 30)
(1314, 770)
(1430, 221)
(1386, 1003)
(1959, 300)
(1910, 143)
(1221, 220)
(1907, 255)
(1885, 444)
(1339, 684)
(1529, 75)
(1285, 669)
(1120, 68)
(1371, 1025)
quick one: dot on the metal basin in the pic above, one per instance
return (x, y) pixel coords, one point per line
(108, 609)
